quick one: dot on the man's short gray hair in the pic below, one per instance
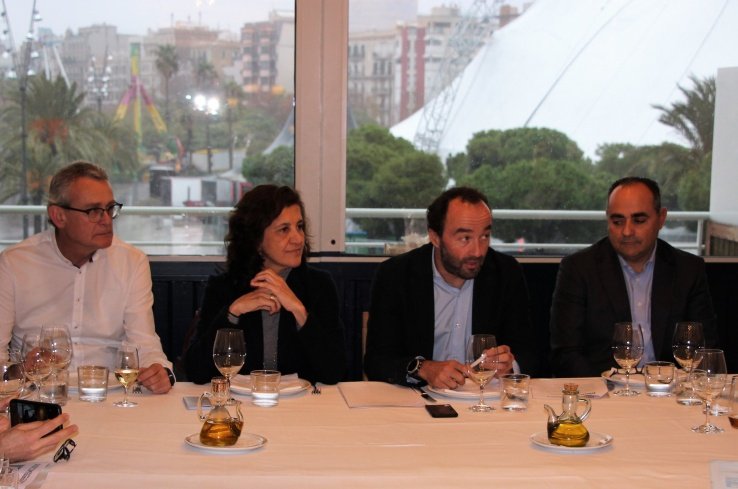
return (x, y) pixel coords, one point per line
(64, 178)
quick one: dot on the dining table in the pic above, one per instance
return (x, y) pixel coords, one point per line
(317, 441)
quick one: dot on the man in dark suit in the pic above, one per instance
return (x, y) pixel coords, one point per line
(426, 303)
(628, 276)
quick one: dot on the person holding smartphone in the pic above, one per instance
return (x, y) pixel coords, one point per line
(27, 441)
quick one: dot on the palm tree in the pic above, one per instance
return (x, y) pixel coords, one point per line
(205, 75)
(60, 130)
(167, 62)
(694, 118)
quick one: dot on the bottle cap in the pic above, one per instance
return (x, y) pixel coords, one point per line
(571, 388)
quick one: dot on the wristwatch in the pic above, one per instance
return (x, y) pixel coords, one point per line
(170, 374)
(414, 366)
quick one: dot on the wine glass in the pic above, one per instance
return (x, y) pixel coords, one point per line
(481, 367)
(126, 370)
(627, 349)
(12, 376)
(57, 341)
(36, 360)
(708, 376)
(688, 337)
(229, 354)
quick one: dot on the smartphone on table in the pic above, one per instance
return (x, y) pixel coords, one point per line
(441, 410)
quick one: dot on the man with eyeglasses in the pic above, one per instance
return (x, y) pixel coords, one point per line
(81, 276)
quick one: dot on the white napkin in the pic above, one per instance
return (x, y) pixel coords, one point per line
(551, 388)
(246, 379)
(379, 394)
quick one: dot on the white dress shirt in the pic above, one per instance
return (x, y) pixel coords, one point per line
(102, 303)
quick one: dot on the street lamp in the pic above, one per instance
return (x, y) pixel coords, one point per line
(210, 106)
(98, 80)
(21, 70)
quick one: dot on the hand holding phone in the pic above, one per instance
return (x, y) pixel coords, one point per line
(441, 410)
(24, 411)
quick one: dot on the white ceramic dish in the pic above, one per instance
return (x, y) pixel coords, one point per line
(246, 442)
(636, 380)
(241, 384)
(597, 441)
(470, 390)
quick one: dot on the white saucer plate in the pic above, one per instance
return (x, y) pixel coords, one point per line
(246, 442)
(597, 441)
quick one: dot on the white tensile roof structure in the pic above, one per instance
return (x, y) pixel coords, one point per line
(591, 69)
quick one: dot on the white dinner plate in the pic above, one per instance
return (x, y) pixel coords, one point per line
(245, 443)
(597, 441)
(72, 383)
(636, 380)
(241, 384)
(470, 390)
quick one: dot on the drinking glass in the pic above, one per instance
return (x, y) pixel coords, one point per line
(627, 349)
(57, 341)
(229, 353)
(36, 360)
(481, 367)
(126, 371)
(708, 376)
(688, 337)
(12, 376)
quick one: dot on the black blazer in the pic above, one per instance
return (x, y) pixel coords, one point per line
(402, 316)
(591, 296)
(316, 352)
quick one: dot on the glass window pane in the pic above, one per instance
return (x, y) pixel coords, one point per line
(541, 105)
(186, 104)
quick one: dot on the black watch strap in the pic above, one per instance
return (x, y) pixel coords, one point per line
(172, 380)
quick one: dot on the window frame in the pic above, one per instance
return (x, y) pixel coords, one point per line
(321, 95)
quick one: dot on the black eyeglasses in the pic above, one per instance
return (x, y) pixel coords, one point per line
(65, 451)
(94, 214)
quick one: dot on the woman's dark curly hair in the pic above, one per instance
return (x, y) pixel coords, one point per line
(256, 210)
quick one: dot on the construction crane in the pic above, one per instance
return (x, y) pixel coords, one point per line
(469, 34)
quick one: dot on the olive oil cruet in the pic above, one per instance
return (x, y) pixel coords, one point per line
(567, 429)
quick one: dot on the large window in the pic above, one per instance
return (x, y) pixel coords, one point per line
(371, 108)
(541, 105)
(186, 104)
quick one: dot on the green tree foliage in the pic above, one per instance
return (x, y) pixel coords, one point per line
(277, 167)
(385, 171)
(498, 148)
(60, 130)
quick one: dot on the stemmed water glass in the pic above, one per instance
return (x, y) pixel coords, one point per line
(36, 360)
(481, 367)
(126, 371)
(57, 341)
(12, 376)
(229, 354)
(708, 376)
(627, 349)
(688, 337)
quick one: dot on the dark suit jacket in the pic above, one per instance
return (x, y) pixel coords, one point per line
(402, 316)
(591, 296)
(316, 352)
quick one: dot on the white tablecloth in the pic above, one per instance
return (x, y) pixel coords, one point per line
(317, 441)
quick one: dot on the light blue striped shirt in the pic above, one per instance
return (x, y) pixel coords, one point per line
(639, 295)
(453, 313)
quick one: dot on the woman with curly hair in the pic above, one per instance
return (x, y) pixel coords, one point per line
(287, 309)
